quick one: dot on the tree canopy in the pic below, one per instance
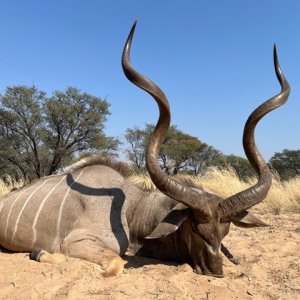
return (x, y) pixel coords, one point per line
(182, 152)
(240, 165)
(286, 163)
(41, 134)
(179, 152)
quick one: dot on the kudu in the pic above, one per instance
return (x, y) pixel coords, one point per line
(92, 212)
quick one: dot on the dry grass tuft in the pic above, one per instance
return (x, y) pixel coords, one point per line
(282, 197)
(142, 181)
(9, 183)
(224, 182)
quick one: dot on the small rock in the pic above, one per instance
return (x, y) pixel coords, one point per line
(297, 230)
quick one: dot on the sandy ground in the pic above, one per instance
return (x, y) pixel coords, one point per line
(269, 269)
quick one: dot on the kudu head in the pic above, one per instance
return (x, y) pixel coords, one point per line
(203, 218)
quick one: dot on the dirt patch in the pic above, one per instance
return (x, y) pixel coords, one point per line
(269, 269)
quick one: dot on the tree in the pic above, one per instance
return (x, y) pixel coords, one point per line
(74, 123)
(206, 156)
(286, 163)
(40, 134)
(20, 123)
(137, 140)
(177, 149)
(241, 165)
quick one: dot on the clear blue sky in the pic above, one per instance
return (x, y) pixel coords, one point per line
(213, 59)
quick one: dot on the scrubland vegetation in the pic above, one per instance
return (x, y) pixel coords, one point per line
(284, 196)
(9, 183)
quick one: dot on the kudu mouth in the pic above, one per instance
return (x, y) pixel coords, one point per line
(199, 271)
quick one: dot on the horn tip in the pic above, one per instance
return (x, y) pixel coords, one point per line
(132, 31)
(134, 25)
(275, 52)
(276, 64)
(127, 46)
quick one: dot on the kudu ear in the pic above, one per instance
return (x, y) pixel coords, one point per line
(246, 219)
(171, 222)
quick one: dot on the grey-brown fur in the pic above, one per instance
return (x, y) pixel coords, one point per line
(121, 167)
(99, 197)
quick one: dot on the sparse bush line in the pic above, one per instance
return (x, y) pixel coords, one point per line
(282, 197)
(8, 183)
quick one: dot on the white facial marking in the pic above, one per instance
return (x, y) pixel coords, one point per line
(211, 250)
(25, 204)
(41, 207)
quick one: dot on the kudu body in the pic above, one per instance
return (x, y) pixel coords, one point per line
(91, 211)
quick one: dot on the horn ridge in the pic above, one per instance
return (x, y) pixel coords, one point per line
(163, 182)
(255, 194)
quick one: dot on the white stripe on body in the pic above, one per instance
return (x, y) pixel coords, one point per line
(2, 203)
(25, 204)
(11, 208)
(40, 209)
(5, 199)
(61, 208)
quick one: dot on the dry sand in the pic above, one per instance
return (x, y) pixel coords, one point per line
(269, 269)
